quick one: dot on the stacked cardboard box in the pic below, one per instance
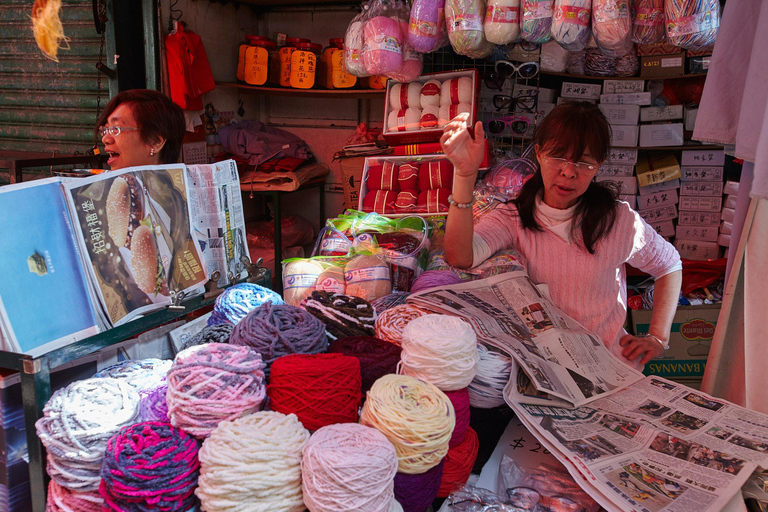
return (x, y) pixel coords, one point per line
(658, 181)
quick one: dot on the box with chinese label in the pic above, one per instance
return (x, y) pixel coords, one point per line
(623, 185)
(696, 157)
(688, 218)
(581, 91)
(623, 86)
(700, 251)
(656, 135)
(655, 168)
(630, 98)
(620, 114)
(700, 204)
(697, 233)
(702, 188)
(652, 215)
(665, 228)
(705, 173)
(657, 200)
(610, 169)
(623, 136)
(658, 187)
(668, 113)
(662, 66)
(622, 156)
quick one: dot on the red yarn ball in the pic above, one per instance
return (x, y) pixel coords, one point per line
(460, 401)
(436, 174)
(380, 201)
(458, 464)
(408, 177)
(383, 177)
(433, 200)
(320, 389)
(377, 357)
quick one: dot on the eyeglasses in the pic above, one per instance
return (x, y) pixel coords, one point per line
(525, 102)
(114, 130)
(530, 499)
(517, 124)
(559, 164)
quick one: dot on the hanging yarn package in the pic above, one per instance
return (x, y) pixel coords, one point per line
(353, 45)
(212, 383)
(502, 21)
(254, 460)
(692, 24)
(464, 23)
(342, 315)
(536, 20)
(554, 58)
(391, 323)
(348, 467)
(383, 38)
(570, 23)
(648, 22)
(612, 27)
(376, 356)
(150, 466)
(426, 24)
(413, 61)
(236, 301)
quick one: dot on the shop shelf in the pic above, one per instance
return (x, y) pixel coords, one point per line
(601, 78)
(312, 93)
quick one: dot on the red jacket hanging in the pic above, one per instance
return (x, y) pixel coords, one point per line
(188, 70)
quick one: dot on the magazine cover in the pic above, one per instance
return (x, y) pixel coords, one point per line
(44, 298)
(134, 228)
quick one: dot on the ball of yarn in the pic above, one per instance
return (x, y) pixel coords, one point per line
(61, 499)
(377, 357)
(612, 26)
(299, 279)
(218, 333)
(78, 421)
(367, 277)
(487, 388)
(348, 467)
(154, 406)
(391, 323)
(253, 460)
(458, 464)
(342, 315)
(460, 401)
(576, 62)
(146, 376)
(416, 417)
(208, 384)
(464, 23)
(416, 492)
(275, 331)
(389, 301)
(536, 20)
(150, 466)
(403, 96)
(404, 120)
(320, 389)
(648, 21)
(597, 63)
(236, 301)
(692, 25)
(434, 279)
(427, 341)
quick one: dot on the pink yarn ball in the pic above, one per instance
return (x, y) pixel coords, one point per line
(383, 50)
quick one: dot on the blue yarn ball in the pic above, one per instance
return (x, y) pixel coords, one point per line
(239, 300)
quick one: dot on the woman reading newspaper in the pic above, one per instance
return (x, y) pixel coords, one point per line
(572, 232)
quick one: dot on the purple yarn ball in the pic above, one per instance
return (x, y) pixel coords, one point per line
(434, 279)
(153, 404)
(415, 493)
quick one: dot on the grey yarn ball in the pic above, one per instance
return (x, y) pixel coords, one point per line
(218, 333)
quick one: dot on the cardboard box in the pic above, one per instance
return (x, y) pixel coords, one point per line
(697, 157)
(622, 156)
(581, 91)
(631, 98)
(623, 86)
(609, 169)
(544, 94)
(689, 117)
(726, 228)
(655, 135)
(694, 250)
(352, 170)
(665, 228)
(731, 188)
(620, 114)
(657, 168)
(624, 185)
(657, 200)
(697, 233)
(728, 215)
(702, 188)
(730, 201)
(699, 219)
(623, 136)
(662, 66)
(668, 113)
(652, 215)
(700, 204)
(699, 53)
(693, 328)
(562, 100)
(658, 187)
(631, 199)
(699, 64)
(657, 49)
(702, 173)
(724, 240)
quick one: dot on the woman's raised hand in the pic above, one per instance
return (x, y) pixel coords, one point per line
(463, 145)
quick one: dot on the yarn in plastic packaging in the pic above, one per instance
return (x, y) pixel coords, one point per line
(299, 279)
(576, 63)
(612, 27)
(648, 21)
(570, 23)
(413, 62)
(405, 95)
(382, 39)
(536, 20)
(692, 24)
(342, 315)
(627, 65)
(464, 21)
(554, 58)
(427, 22)
(353, 46)
(236, 301)
(597, 63)
(502, 21)
(456, 90)
(367, 277)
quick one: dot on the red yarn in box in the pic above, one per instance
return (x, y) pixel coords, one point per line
(320, 389)
(406, 201)
(434, 201)
(380, 201)
(383, 177)
(436, 174)
(408, 177)
(457, 464)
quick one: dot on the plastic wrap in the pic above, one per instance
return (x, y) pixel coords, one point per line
(575, 63)
(612, 26)
(648, 25)
(570, 23)
(502, 21)
(692, 24)
(353, 45)
(425, 27)
(464, 21)
(536, 21)
(413, 62)
(383, 38)
(554, 58)
(504, 181)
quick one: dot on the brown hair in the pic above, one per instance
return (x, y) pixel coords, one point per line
(569, 131)
(156, 115)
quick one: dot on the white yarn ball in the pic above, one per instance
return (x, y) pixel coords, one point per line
(404, 120)
(405, 95)
(448, 112)
(429, 117)
(430, 93)
(455, 91)
(441, 350)
(253, 464)
(487, 388)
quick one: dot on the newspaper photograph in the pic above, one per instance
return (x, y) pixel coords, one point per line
(561, 358)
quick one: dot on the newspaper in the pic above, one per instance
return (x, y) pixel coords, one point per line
(563, 359)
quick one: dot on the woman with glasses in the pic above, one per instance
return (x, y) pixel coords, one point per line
(573, 233)
(141, 127)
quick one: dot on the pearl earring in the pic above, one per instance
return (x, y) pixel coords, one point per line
(152, 152)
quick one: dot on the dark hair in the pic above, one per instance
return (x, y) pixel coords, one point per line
(569, 131)
(156, 115)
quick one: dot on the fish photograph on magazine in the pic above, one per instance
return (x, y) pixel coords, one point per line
(134, 228)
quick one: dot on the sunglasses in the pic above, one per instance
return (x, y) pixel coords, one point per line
(504, 69)
(524, 103)
(517, 124)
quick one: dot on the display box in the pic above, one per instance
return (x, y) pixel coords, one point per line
(658, 187)
(699, 219)
(668, 113)
(702, 188)
(665, 228)
(693, 328)
(731, 188)
(702, 173)
(623, 185)
(352, 171)
(620, 114)
(652, 215)
(699, 251)
(662, 66)
(728, 215)
(610, 169)
(657, 49)
(689, 117)
(657, 168)
(623, 136)
(395, 135)
(622, 156)
(544, 94)
(580, 91)
(630, 98)
(656, 135)
(696, 157)
(697, 233)
(700, 204)
(623, 86)
(657, 200)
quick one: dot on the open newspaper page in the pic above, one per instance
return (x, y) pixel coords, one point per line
(133, 228)
(216, 205)
(654, 445)
(560, 356)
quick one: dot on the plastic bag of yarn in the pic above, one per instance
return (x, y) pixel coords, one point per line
(612, 27)
(571, 23)
(505, 179)
(413, 63)
(627, 65)
(576, 63)
(353, 45)
(464, 23)
(648, 21)
(692, 24)
(302, 276)
(554, 58)
(426, 25)
(334, 239)
(342, 315)
(502, 21)
(367, 276)
(597, 63)
(536, 20)
(383, 38)
(406, 251)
